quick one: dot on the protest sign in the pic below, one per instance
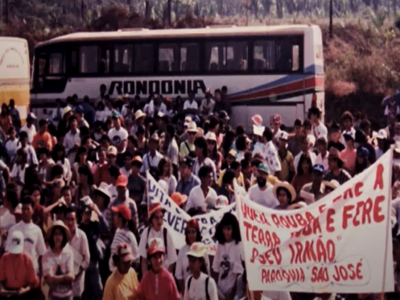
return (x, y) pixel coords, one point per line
(175, 218)
(341, 243)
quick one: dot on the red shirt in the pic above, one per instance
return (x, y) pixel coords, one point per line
(158, 286)
(101, 174)
(16, 271)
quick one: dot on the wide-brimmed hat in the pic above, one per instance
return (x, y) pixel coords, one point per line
(139, 114)
(58, 224)
(67, 109)
(16, 243)
(210, 136)
(155, 207)
(123, 210)
(179, 199)
(104, 189)
(287, 186)
(198, 250)
(232, 153)
(156, 245)
(192, 127)
(381, 135)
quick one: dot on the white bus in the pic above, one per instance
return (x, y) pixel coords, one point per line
(15, 73)
(267, 69)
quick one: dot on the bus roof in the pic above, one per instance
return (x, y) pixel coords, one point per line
(11, 38)
(141, 33)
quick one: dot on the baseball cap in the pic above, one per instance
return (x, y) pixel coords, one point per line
(137, 160)
(155, 207)
(319, 169)
(115, 114)
(221, 202)
(188, 161)
(112, 151)
(16, 243)
(198, 250)
(123, 210)
(121, 181)
(179, 199)
(193, 223)
(104, 189)
(233, 153)
(125, 252)
(78, 109)
(263, 168)
(156, 245)
(362, 152)
(284, 136)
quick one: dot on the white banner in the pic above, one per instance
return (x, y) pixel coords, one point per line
(341, 243)
(175, 218)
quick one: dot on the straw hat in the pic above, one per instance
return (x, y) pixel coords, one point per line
(210, 136)
(287, 186)
(139, 114)
(104, 189)
(58, 224)
(198, 250)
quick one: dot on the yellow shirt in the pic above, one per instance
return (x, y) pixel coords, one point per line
(271, 179)
(240, 179)
(184, 150)
(121, 286)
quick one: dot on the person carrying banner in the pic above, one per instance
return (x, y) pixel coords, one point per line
(158, 283)
(336, 170)
(262, 192)
(228, 259)
(285, 193)
(199, 286)
(157, 230)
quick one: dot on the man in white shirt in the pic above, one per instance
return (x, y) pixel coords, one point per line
(172, 151)
(29, 128)
(34, 244)
(269, 152)
(196, 199)
(72, 140)
(305, 148)
(262, 193)
(207, 105)
(155, 106)
(152, 158)
(318, 129)
(348, 119)
(323, 154)
(57, 114)
(118, 135)
(190, 107)
(23, 144)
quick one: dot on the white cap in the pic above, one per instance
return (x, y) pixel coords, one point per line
(15, 243)
(221, 202)
(258, 130)
(188, 120)
(87, 201)
(284, 136)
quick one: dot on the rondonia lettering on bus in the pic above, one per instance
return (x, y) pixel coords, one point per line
(341, 243)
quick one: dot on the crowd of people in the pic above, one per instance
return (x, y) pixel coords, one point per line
(75, 220)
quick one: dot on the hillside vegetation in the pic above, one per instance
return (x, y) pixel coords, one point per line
(362, 59)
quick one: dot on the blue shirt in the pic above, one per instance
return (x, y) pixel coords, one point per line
(185, 188)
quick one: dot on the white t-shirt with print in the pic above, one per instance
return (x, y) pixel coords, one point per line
(197, 199)
(197, 290)
(320, 131)
(182, 271)
(125, 172)
(117, 136)
(170, 257)
(228, 264)
(17, 171)
(30, 131)
(34, 244)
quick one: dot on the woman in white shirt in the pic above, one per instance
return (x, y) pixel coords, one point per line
(165, 174)
(193, 236)
(199, 286)
(229, 256)
(101, 114)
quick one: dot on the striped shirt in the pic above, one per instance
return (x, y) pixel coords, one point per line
(123, 236)
(341, 178)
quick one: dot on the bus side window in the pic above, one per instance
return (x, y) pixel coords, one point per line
(144, 58)
(189, 57)
(88, 59)
(264, 55)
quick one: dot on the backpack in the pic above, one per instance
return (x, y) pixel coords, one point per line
(207, 280)
(164, 236)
